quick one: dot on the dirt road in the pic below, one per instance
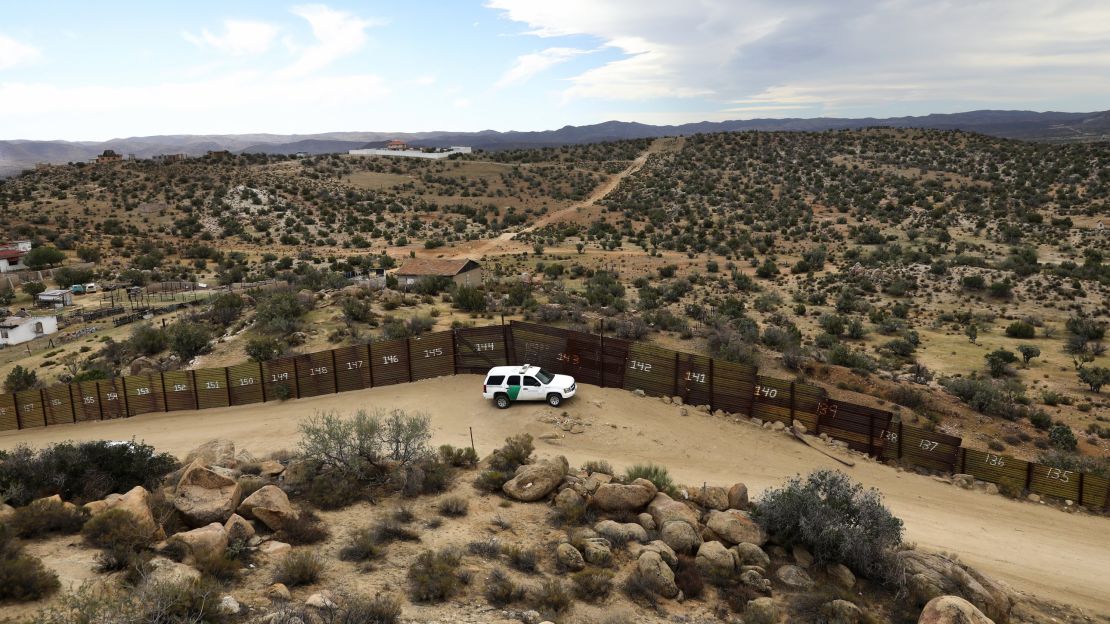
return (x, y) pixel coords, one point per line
(1037, 549)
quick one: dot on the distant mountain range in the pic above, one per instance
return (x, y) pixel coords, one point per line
(1024, 125)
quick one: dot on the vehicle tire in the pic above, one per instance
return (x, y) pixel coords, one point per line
(501, 401)
(554, 399)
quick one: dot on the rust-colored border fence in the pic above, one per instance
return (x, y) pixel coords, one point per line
(592, 359)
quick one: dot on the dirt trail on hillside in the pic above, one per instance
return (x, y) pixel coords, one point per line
(1035, 548)
(490, 246)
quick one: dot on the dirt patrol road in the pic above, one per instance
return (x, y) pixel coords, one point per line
(1035, 548)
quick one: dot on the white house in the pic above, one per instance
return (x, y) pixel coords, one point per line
(23, 327)
(11, 256)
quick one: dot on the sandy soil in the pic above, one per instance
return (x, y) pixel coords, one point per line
(1035, 548)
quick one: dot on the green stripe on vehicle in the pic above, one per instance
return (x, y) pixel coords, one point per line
(513, 392)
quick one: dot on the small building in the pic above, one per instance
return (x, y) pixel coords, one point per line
(396, 144)
(464, 272)
(12, 254)
(109, 156)
(22, 327)
(55, 298)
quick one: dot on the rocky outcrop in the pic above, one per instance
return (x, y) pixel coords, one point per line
(794, 577)
(656, 574)
(710, 497)
(596, 551)
(136, 501)
(621, 533)
(952, 610)
(203, 496)
(841, 575)
(535, 481)
(568, 501)
(714, 560)
(736, 527)
(664, 509)
(205, 542)
(269, 505)
(617, 497)
(569, 558)
(238, 529)
(159, 571)
(841, 612)
(751, 555)
(760, 611)
(933, 575)
(214, 453)
(681, 536)
(738, 496)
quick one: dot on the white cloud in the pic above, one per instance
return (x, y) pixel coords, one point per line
(13, 53)
(528, 65)
(338, 34)
(239, 38)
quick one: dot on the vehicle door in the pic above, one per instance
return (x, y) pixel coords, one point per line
(512, 387)
(532, 389)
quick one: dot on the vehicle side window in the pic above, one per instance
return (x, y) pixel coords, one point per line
(514, 380)
(531, 382)
(495, 380)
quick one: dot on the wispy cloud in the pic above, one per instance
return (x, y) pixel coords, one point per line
(528, 65)
(14, 53)
(338, 34)
(240, 38)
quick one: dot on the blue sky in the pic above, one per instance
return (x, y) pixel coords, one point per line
(92, 71)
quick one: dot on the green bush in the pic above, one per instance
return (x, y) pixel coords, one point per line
(264, 348)
(836, 520)
(500, 590)
(592, 585)
(299, 567)
(188, 339)
(118, 530)
(22, 577)
(147, 340)
(654, 473)
(504, 461)
(362, 545)
(1020, 329)
(434, 576)
(469, 299)
(1062, 437)
(47, 516)
(279, 313)
(20, 379)
(365, 447)
(464, 457)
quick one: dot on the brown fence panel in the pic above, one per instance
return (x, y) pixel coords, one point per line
(144, 394)
(86, 401)
(1096, 492)
(861, 427)
(1056, 482)
(651, 369)
(772, 399)
(538, 346)
(245, 383)
(212, 388)
(352, 368)
(614, 360)
(478, 349)
(389, 361)
(113, 398)
(1005, 471)
(695, 379)
(279, 379)
(733, 387)
(180, 391)
(808, 399)
(31, 412)
(433, 355)
(929, 449)
(7, 413)
(315, 374)
(59, 406)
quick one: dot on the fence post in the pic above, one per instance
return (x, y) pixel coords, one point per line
(334, 373)
(505, 334)
(792, 407)
(42, 402)
(601, 357)
(370, 361)
(1080, 501)
(871, 435)
(262, 378)
(675, 393)
(1028, 475)
(126, 403)
(455, 352)
(196, 393)
(18, 417)
(165, 397)
(712, 396)
(900, 436)
(99, 399)
(408, 356)
(227, 384)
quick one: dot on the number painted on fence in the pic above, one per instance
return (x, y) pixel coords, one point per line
(29, 407)
(698, 377)
(357, 364)
(319, 370)
(889, 435)
(569, 358)
(55, 402)
(770, 393)
(180, 388)
(89, 400)
(246, 381)
(995, 460)
(3, 411)
(279, 376)
(824, 409)
(1063, 476)
(111, 396)
(485, 346)
(641, 366)
(430, 353)
(928, 445)
(391, 359)
(142, 391)
(211, 385)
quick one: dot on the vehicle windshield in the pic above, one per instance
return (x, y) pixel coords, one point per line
(544, 376)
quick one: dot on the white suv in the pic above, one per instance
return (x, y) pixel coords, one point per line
(505, 384)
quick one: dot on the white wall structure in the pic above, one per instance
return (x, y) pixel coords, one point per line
(19, 329)
(11, 256)
(412, 153)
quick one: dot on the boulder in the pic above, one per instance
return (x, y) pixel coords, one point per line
(680, 536)
(714, 560)
(621, 533)
(203, 497)
(535, 481)
(160, 570)
(238, 529)
(270, 468)
(274, 548)
(760, 611)
(142, 364)
(751, 555)
(664, 509)
(228, 605)
(214, 453)
(617, 497)
(646, 521)
(666, 553)
(596, 551)
(841, 575)
(207, 541)
(710, 497)
(323, 600)
(755, 580)
(952, 610)
(6, 512)
(568, 501)
(569, 558)
(964, 481)
(136, 501)
(802, 556)
(278, 593)
(269, 505)
(657, 574)
(841, 612)
(934, 575)
(736, 527)
(794, 577)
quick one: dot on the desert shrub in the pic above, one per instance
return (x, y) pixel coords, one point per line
(492, 480)
(279, 313)
(592, 585)
(639, 590)
(730, 345)
(81, 471)
(469, 299)
(500, 590)
(47, 516)
(598, 465)
(20, 379)
(302, 529)
(364, 447)
(1020, 329)
(504, 461)
(1065, 460)
(249, 484)
(429, 476)
(218, 566)
(986, 396)
(188, 602)
(117, 530)
(841, 355)
(379, 609)
(22, 577)
(738, 595)
(331, 490)
(362, 545)
(654, 473)
(523, 558)
(552, 596)
(905, 396)
(688, 578)
(1062, 437)
(392, 530)
(486, 549)
(434, 576)
(464, 457)
(299, 567)
(454, 506)
(836, 520)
